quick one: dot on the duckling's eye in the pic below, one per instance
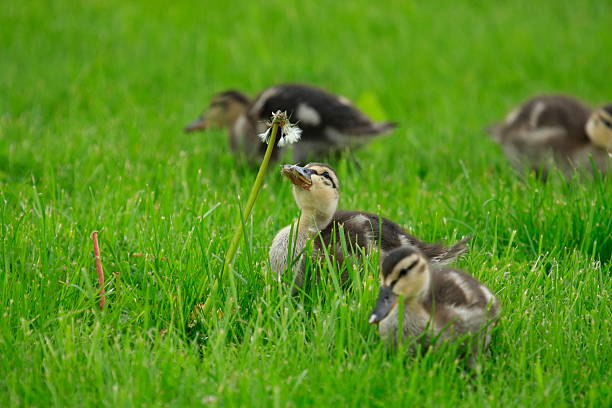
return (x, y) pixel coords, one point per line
(404, 271)
(327, 176)
(606, 122)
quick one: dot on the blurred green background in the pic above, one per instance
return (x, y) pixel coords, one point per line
(93, 98)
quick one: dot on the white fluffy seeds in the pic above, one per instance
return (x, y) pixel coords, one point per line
(289, 133)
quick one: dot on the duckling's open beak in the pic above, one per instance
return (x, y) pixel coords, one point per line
(300, 176)
(385, 302)
(199, 124)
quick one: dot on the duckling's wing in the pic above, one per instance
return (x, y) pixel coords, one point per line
(316, 109)
(546, 120)
(339, 240)
(560, 111)
(391, 236)
(370, 230)
(450, 286)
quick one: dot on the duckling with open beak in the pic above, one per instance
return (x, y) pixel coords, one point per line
(439, 303)
(316, 190)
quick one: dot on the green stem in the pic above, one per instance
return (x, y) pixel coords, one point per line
(231, 252)
(229, 257)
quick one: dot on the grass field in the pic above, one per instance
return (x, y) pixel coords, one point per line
(93, 97)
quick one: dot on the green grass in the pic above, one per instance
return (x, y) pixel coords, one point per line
(93, 96)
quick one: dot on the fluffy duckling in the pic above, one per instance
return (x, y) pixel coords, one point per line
(556, 130)
(316, 190)
(439, 303)
(329, 123)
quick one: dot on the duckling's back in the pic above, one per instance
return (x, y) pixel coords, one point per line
(312, 108)
(457, 298)
(546, 129)
(329, 122)
(545, 111)
(370, 231)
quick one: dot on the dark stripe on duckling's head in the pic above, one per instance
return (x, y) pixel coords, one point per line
(605, 116)
(234, 95)
(399, 279)
(325, 170)
(394, 257)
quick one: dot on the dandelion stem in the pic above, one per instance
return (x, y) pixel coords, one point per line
(231, 252)
(250, 201)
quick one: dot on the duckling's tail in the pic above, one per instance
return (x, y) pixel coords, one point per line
(494, 131)
(372, 129)
(447, 255)
(381, 128)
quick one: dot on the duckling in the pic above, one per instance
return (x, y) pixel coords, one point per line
(556, 130)
(439, 303)
(330, 123)
(316, 190)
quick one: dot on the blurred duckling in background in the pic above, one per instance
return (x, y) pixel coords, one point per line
(440, 304)
(330, 123)
(316, 190)
(556, 130)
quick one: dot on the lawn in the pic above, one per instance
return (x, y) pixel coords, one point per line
(93, 98)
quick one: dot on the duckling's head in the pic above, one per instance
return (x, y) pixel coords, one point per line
(316, 189)
(223, 110)
(599, 127)
(404, 272)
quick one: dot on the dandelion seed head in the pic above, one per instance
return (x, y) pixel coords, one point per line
(291, 134)
(280, 117)
(265, 136)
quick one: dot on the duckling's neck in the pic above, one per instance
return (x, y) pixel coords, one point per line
(416, 301)
(312, 221)
(237, 115)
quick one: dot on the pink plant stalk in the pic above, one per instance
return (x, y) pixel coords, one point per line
(94, 236)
